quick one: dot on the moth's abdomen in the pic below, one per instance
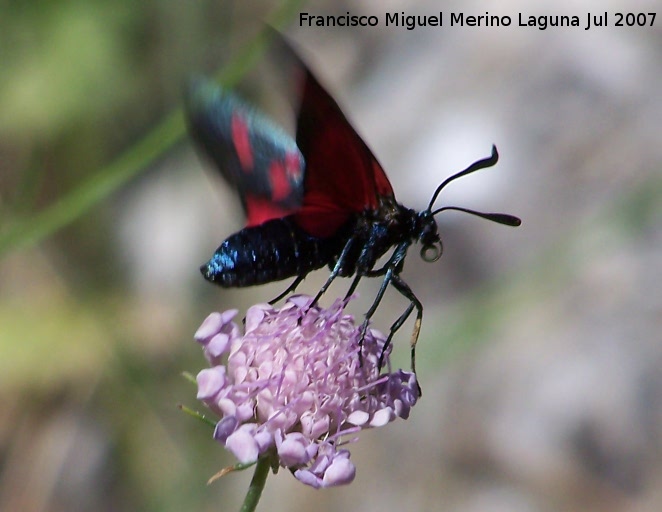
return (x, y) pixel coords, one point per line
(274, 250)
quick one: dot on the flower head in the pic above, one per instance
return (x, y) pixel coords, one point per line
(294, 385)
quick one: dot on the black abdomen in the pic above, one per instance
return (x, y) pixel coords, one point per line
(272, 251)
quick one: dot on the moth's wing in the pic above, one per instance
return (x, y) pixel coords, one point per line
(342, 177)
(252, 153)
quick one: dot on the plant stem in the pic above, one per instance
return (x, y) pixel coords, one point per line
(257, 485)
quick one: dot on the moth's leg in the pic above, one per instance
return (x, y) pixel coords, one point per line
(289, 289)
(336, 269)
(404, 289)
(380, 294)
(353, 286)
(378, 272)
(390, 270)
(395, 262)
(394, 328)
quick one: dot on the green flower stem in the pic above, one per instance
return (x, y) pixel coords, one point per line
(25, 232)
(257, 485)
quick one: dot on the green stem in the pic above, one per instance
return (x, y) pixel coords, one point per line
(257, 485)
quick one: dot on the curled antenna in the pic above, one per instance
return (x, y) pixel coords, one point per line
(476, 166)
(500, 218)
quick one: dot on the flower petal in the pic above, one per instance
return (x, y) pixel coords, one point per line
(308, 477)
(218, 345)
(243, 445)
(292, 450)
(225, 428)
(358, 418)
(255, 315)
(382, 417)
(210, 382)
(210, 326)
(340, 472)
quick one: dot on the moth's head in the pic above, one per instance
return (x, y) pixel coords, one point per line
(428, 237)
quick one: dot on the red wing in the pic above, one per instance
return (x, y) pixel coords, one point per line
(342, 175)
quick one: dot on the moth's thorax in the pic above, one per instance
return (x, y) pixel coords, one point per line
(395, 217)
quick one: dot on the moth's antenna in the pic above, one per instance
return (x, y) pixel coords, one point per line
(476, 166)
(500, 218)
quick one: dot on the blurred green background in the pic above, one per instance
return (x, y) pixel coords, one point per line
(540, 350)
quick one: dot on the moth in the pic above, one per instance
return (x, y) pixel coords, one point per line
(320, 199)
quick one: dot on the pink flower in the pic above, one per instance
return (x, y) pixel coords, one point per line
(293, 386)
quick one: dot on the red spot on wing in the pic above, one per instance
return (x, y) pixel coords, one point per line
(260, 210)
(242, 143)
(280, 185)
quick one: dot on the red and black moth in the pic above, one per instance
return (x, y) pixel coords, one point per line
(322, 200)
